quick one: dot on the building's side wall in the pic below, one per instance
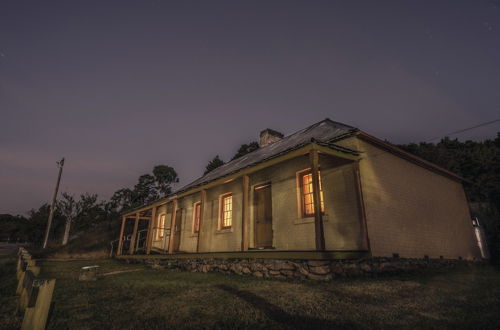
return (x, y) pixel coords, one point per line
(413, 211)
(290, 232)
(342, 222)
(212, 239)
(342, 225)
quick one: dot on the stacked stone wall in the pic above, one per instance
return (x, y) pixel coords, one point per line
(322, 270)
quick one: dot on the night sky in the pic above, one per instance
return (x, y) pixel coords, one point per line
(117, 87)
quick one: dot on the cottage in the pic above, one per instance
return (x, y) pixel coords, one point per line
(329, 188)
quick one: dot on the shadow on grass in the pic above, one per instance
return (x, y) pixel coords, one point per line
(278, 315)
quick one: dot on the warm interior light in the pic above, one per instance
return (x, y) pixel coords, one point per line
(161, 227)
(227, 210)
(197, 216)
(307, 194)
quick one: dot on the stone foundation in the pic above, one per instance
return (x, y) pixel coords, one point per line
(322, 270)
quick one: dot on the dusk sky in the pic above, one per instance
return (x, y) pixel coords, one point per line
(117, 87)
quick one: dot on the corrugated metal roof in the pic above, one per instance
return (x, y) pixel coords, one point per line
(323, 132)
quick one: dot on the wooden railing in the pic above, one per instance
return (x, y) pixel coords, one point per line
(140, 243)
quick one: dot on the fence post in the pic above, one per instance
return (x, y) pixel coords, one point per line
(36, 315)
(35, 295)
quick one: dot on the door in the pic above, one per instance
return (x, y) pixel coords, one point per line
(263, 213)
(178, 227)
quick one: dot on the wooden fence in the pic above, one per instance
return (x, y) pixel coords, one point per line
(35, 294)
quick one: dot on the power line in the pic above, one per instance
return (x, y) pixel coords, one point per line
(440, 137)
(464, 130)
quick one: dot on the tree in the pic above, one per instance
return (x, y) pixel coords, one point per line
(91, 211)
(14, 228)
(145, 190)
(213, 164)
(69, 209)
(243, 150)
(38, 221)
(148, 189)
(246, 149)
(121, 199)
(164, 176)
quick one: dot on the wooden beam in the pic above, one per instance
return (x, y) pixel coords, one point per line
(158, 203)
(257, 167)
(172, 227)
(203, 198)
(152, 222)
(361, 203)
(333, 152)
(165, 229)
(140, 218)
(120, 241)
(318, 216)
(245, 214)
(258, 254)
(131, 249)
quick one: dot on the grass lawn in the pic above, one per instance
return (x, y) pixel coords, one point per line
(157, 299)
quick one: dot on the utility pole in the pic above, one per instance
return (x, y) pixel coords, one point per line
(53, 205)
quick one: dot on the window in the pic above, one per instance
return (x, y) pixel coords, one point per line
(196, 217)
(307, 192)
(160, 229)
(226, 211)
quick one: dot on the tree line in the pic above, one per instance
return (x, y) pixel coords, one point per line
(74, 214)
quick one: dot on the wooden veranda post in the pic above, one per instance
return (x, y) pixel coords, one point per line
(361, 203)
(172, 228)
(151, 225)
(318, 216)
(203, 197)
(245, 214)
(131, 249)
(120, 241)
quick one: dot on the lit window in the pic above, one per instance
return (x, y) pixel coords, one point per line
(196, 217)
(226, 211)
(307, 192)
(160, 229)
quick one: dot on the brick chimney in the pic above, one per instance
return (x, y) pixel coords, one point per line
(269, 136)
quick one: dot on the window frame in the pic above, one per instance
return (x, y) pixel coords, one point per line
(160, 230)
(196, 221)
(222, 211)
(301, 194)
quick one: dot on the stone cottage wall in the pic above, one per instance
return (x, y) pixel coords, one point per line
(322, 270)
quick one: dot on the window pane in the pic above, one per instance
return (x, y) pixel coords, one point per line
(308, 194)
(227, 210)
(161, 227)
(321, 200)
(197, 213)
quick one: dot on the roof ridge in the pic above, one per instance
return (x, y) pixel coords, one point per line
(338, 123)
(284, 137)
